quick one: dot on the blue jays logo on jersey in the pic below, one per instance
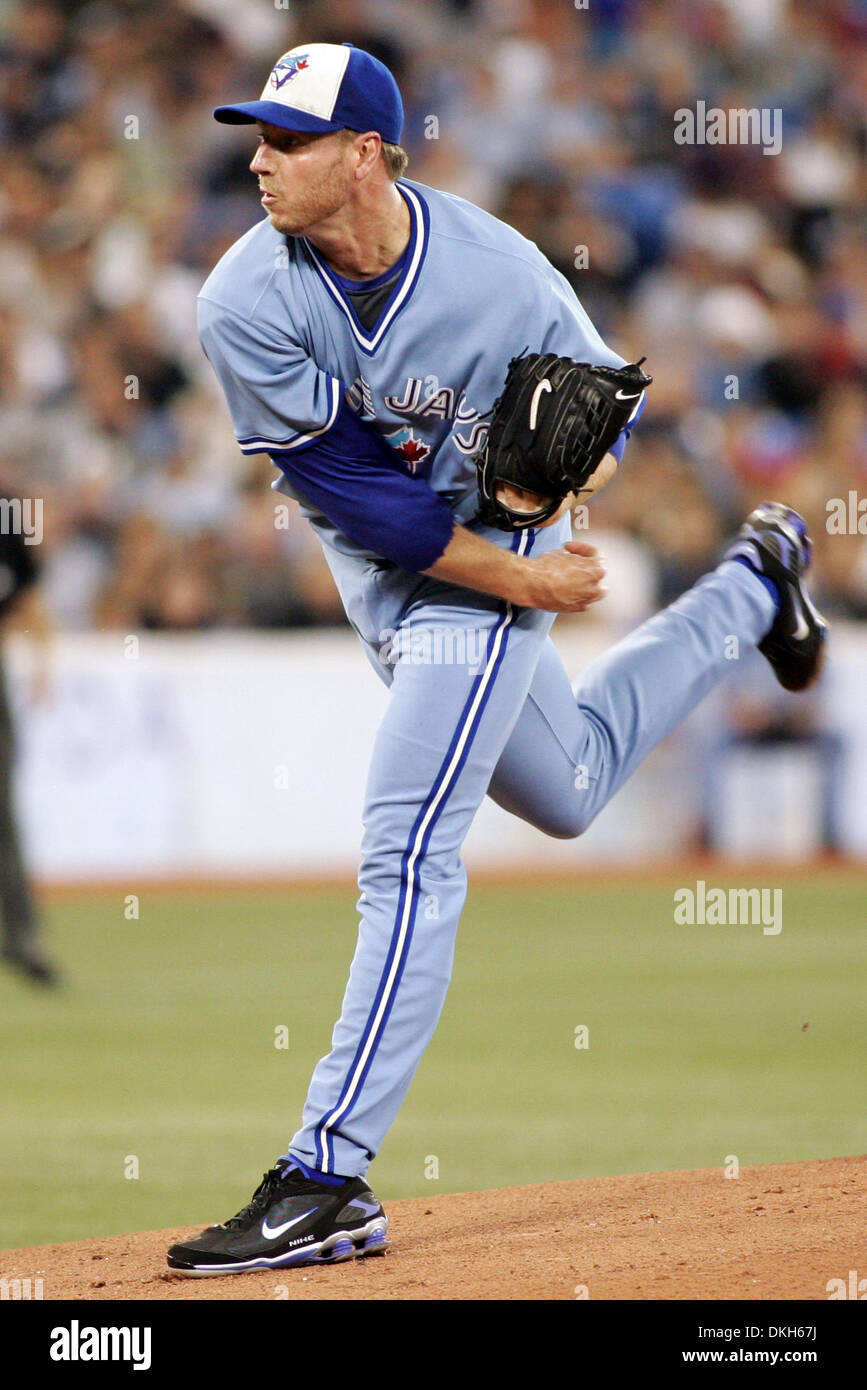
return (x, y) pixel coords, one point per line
(443, 403)
(411, 450)
(287, 67)
(426, 400)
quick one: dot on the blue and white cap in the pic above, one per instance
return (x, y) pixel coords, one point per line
(324, 87)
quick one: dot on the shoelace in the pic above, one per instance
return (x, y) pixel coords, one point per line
(280, 1181)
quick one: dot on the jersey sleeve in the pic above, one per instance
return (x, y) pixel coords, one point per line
(277, 396)
(354, 478)
(567, 329)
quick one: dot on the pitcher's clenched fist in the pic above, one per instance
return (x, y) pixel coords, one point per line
(567, 580)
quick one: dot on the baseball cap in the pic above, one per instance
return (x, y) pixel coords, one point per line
(324, 87)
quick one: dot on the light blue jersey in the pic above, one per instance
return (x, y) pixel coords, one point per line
(286, 342)
(287, 346)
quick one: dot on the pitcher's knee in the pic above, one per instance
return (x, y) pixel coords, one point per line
(565, 822)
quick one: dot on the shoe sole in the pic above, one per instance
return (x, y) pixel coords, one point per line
(337, 1248)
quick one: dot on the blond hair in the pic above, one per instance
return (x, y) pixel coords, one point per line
(395, 158)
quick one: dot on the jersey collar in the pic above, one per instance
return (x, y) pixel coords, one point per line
(413, 258)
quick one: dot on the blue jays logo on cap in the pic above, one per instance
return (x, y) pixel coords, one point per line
(321, 87)
(286, 68)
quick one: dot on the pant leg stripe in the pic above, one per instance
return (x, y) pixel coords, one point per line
(419, 839)
(393, 967)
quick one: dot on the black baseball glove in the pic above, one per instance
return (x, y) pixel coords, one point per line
(551, 428)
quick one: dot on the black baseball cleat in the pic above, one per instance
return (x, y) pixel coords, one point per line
(774, 542)
(290, 1220)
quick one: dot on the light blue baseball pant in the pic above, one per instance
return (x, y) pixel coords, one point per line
(505, 722)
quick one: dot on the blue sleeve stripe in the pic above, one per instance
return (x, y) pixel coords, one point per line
(256, 444)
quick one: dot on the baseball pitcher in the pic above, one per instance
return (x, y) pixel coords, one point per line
(434, 397)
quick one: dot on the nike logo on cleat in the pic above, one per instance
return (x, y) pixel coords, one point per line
(272, 1232)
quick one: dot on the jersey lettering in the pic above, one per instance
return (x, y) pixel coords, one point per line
(361, 397)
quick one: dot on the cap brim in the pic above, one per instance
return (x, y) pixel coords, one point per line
(273, 113)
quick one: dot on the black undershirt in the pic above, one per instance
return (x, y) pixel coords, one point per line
(369, 304)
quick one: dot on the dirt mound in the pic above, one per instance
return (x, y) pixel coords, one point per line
(778, 1231)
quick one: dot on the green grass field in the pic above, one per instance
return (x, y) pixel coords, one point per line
(161, 1046)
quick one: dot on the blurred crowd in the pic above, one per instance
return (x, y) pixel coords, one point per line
(741, 275)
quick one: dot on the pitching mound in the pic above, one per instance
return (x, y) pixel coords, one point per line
(781, 1231)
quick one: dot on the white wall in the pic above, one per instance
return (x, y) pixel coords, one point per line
(167, 763)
